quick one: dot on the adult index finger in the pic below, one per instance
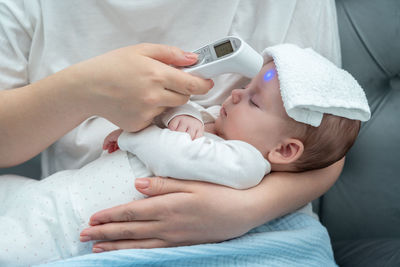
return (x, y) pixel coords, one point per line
(169, 55)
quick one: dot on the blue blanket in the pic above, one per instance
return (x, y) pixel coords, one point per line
(293, 240)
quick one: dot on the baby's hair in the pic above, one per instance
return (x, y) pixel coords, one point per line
(325, 144)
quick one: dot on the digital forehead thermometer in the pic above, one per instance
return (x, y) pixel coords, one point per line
(228, 55)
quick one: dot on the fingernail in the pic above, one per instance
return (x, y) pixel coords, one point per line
(94, 223)
(142, 183)
(190, 55)
(97, 250)
(84, 238)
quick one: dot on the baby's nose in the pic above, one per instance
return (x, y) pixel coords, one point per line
(236, 96)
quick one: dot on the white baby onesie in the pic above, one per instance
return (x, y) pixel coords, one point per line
(210, 158)
(41, 221)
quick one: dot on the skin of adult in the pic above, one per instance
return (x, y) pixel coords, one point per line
(189, 212)
(128, 86)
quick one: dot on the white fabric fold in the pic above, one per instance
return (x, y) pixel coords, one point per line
(311, 85)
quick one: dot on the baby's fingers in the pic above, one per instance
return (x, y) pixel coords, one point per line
(192, 131)
(113, 146)
(199, 133)
(182, 127)
(173, 124)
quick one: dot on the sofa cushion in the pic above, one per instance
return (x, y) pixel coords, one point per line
(367, 253)
(365, 202)
(30, 168)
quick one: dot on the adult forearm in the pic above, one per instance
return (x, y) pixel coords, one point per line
(281, 193)
(35, 116)
(128, 86)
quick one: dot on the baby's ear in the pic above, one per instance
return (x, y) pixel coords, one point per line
(286, 152)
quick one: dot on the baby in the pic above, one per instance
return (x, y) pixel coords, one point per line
(256, 115)
(251, 135)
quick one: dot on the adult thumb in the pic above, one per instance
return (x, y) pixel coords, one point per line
(155, 186)
(167, 54)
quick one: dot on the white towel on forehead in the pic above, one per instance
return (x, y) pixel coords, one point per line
(311, 85)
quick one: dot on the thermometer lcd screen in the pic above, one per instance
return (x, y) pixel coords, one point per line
(223, 49)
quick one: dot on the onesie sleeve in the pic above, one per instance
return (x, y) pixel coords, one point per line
(174, 154)
(190, 108)
(16, 30)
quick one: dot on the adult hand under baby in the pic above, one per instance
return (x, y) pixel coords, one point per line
(182, 212)
(179, 213)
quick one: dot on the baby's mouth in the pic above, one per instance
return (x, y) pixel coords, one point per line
(223, 112)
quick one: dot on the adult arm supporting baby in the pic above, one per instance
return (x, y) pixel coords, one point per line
(189, 212)
(174, 154)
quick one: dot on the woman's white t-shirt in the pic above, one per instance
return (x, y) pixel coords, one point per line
(39, 38)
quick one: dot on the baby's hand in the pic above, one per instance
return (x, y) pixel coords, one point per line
(111, 141)
(187, 124)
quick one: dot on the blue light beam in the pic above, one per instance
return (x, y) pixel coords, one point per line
(269, 75)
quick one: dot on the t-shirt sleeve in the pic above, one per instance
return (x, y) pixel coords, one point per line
(16, 31)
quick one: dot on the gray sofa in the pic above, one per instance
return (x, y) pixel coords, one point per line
(362, 210)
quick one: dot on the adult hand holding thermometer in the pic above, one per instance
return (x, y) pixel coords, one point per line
(227, 55)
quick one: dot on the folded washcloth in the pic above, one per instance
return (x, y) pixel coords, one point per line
(312, 85)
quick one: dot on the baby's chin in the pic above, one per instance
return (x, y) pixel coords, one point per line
(218, 128)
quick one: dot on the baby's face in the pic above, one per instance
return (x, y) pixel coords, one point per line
(255, 114)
